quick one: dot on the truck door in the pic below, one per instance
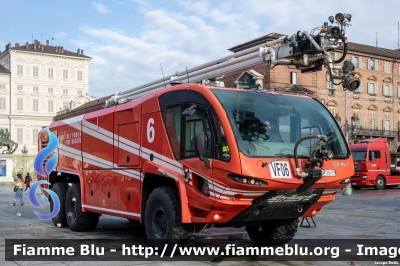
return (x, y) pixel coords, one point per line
(182, 128)
(375, 164)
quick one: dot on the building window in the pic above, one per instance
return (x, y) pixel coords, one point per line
(20, 69)
(2, 103)
(20, 104)
(50, 73)
(330, 84)
(65, 73)
(332, 110)
(36, 89)
(51, 90)
(2, 86)
(79, 75)
(65, 91)
(387, 66)
(20, 87)
(20, 135)
(386, 126)
(357, 61)
(27, 135)
(372, 90)
(372, 122)
(35, 105)
(50, 105)
(36, 71)
(79, 92)
(65, 104)
(293, 78)
(331, 92)
(373, 64)
(387, 92)
(35, 133)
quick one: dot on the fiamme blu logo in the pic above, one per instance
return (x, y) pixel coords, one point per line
(52, 158)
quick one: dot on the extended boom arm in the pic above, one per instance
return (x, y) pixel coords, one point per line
(301, 49)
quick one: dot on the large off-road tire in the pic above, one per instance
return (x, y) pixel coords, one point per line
(356, 187)
(163, 217)
(274, 232)
(76, 219)
(380, 183)
(60, 189)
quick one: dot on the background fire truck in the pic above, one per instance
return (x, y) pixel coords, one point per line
(374, 164)
(184, 158)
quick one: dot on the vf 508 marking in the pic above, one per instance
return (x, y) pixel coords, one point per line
(280, 170)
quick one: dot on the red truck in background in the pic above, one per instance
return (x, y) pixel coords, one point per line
(374, 164)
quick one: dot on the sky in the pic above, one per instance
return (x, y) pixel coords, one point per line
(128, 40)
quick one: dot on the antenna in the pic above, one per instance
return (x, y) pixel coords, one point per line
(398, 37)
(162, 72)
(376, 37)
(187, 74)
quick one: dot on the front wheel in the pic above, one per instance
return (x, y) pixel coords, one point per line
(163, 217)
(273, 232)
(380, 183)
(76, 219)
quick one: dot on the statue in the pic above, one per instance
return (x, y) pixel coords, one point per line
(5, 140)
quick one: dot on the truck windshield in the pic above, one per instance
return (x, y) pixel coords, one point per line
(267, 124)
(359, 155)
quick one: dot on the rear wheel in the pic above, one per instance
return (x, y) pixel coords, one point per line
(60, 189)
(380, 183)
(273, 232)
(76, 219)
(163, 217)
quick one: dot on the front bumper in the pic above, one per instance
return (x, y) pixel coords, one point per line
(279, 204)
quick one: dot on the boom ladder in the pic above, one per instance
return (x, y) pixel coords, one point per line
(301, 49)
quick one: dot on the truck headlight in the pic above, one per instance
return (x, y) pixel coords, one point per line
(247, 180)
(364, 176)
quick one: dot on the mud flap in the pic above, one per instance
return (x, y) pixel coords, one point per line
(279, 204)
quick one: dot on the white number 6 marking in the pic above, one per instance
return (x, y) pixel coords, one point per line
(150, 130)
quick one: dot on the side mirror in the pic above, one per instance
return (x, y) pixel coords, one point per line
(200, 146)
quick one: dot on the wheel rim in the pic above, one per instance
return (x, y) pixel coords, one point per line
(159, 222)
(380, 182)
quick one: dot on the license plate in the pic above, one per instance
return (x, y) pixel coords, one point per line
(329, 173)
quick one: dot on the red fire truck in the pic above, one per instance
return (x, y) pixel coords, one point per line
(374, 164)
(186, 157)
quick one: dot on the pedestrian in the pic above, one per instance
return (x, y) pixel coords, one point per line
(19, 184)
(28, 180)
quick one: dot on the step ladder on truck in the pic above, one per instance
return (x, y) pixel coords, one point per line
(184, 158)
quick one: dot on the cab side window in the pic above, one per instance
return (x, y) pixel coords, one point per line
(173, 126)
(195, 124)
(182, 129)
(222, 148)
(374, 155)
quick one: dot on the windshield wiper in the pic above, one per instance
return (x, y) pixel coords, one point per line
(280, 155)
